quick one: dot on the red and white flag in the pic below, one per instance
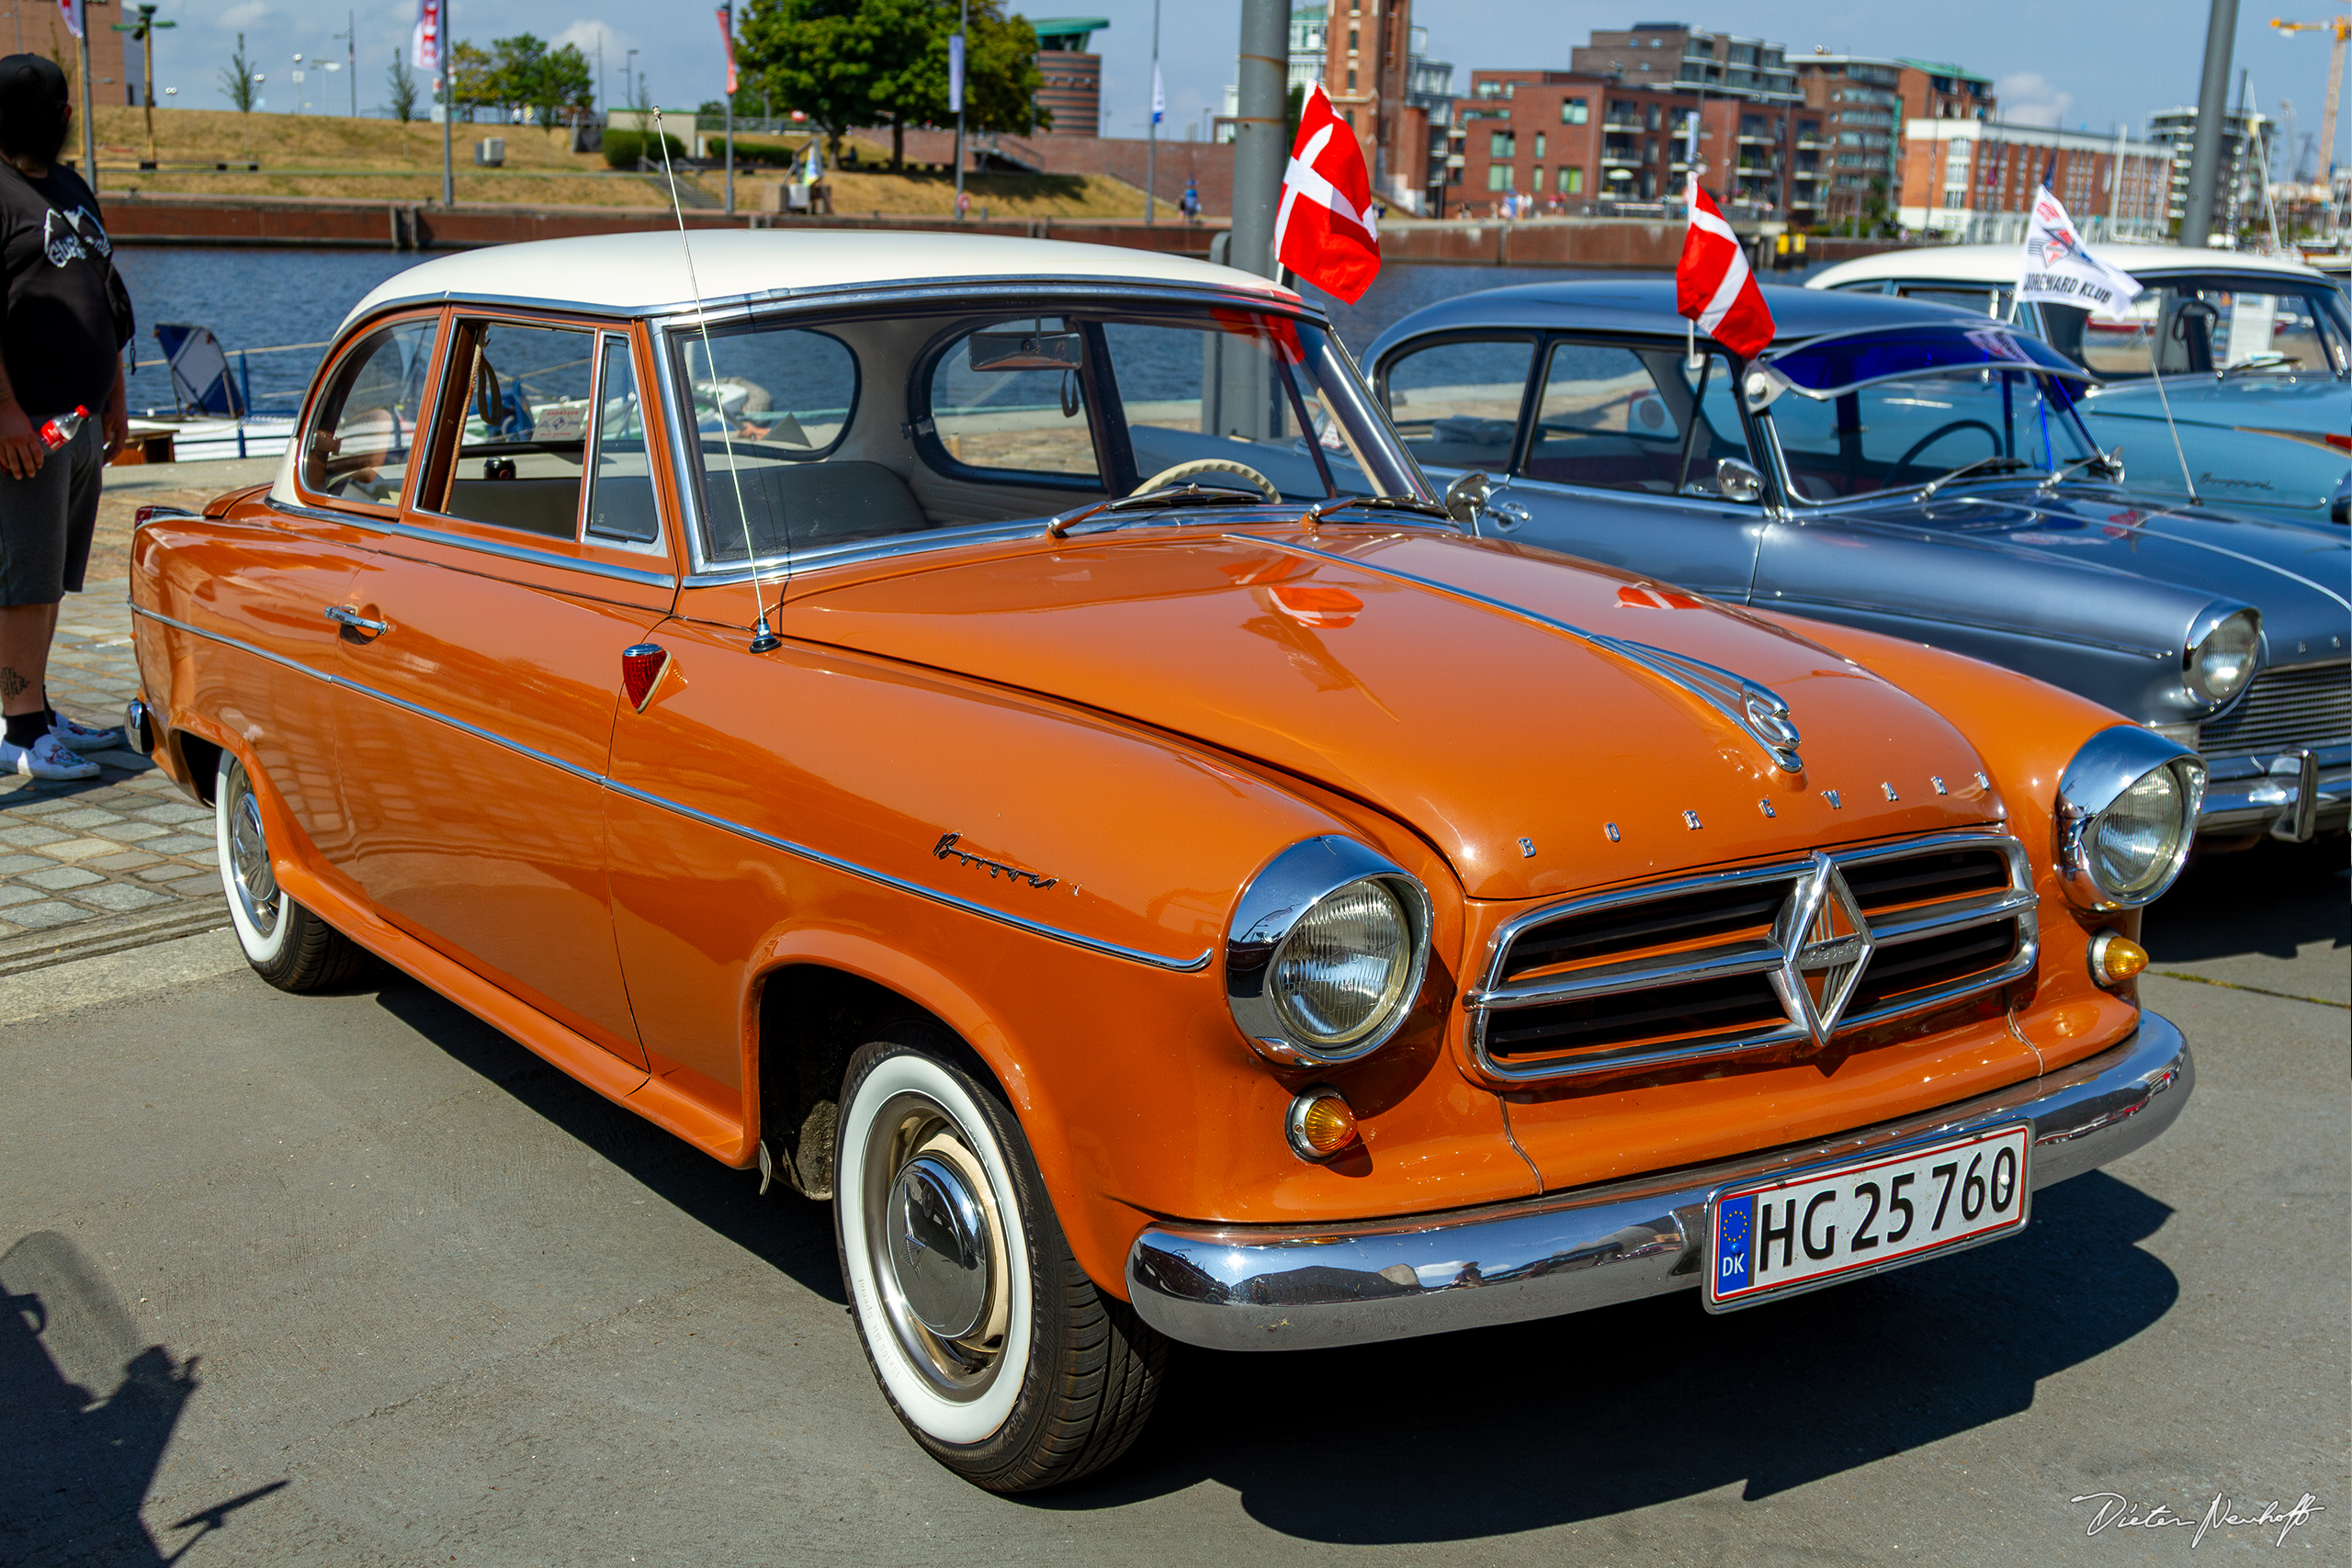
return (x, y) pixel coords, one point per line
(726, 33)
(424, 42)
(1712, 285)
(72, 13)
(1327, 231)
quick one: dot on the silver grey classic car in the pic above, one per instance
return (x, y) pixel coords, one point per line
(1904, 467)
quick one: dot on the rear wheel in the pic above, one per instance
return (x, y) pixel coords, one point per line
(287, 944)
(1004, 1360)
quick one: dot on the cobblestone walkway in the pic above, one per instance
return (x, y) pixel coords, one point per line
(123, 843)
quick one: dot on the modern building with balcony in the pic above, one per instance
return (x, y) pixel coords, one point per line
(1072, 90)
(1674, 54)
(2249, 145)
(1972, 181)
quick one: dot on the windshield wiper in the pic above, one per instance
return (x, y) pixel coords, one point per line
(1997, 463)
(1323, 509)
(1189, 493)
(2107, 465)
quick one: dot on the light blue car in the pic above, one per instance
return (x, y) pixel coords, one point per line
(2255, 354)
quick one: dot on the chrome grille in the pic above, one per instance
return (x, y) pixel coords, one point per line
(2285, 710)
(1762, 957)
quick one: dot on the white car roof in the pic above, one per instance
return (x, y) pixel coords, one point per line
(646, 273)
(2001, 263)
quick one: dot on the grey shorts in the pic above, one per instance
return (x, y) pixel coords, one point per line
(45, 522)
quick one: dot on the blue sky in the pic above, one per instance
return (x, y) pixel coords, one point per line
(2096, 64)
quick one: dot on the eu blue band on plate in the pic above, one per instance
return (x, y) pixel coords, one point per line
(1735, 1218)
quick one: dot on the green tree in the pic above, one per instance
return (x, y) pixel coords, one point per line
(472, 78)
(237, 84)
(855, 63)
(401, 84)
(526, 74)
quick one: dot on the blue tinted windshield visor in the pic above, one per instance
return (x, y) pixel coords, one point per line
(1827, 367)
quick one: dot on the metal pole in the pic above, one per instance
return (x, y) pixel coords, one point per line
(2212, 110)
(351, 51)
(963, 31)
(89, 129)
(1259, 152)
(1152, 121)
(727, 12)
(448, 107)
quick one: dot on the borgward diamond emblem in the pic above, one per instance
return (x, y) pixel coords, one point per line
(1824, 945)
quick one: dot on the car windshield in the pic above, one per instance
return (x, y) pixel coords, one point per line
(2246, 325)
(1909, 430)
(821, 435)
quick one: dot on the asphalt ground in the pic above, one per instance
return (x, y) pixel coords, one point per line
(356, 1280)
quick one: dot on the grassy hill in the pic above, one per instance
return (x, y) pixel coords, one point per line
(381, 160)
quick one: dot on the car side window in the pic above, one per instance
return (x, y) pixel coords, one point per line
(362, 436)
(772, 406)
(620, 497)
(521, 440)
(1010, 398)
(1456, 404)
(1988, 300)
(1640, 419)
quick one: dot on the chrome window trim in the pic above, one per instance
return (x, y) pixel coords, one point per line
(660, 543)
(339, 351)
(2105, 766)
(1271, 905)
(1491, 993)
(1757, 508)
(786, 846)
(1752, 708)
(487, 546)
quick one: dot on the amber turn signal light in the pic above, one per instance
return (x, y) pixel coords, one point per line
(1320, 1125)
(2116, 959)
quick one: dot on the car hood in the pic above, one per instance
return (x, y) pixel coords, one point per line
(1438, 679)
(2318, 406)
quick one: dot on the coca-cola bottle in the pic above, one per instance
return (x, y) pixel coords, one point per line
(57, 431)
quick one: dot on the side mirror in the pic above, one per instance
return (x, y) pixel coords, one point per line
(1466, 497)
(1738, 480)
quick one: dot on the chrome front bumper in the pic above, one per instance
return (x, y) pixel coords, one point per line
(2289, 795)
(1296, 1289)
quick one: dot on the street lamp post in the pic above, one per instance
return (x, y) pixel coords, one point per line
(350, 37)
(296, 107)
(143, 32)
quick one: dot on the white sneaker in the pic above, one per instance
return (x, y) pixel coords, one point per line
(75, 734)
(46, 758)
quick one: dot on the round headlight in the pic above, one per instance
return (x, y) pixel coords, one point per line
(2127, 812)
(2222, 660)
(1342, 970)
(1325, 953)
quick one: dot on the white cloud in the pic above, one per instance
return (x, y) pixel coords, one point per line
(241, 16)
(2030, 98)
(582, 34)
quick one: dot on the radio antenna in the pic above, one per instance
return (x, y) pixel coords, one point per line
(764, 637)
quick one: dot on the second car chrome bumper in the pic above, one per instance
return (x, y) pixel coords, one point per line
(2289, 795)
(1233, 1288)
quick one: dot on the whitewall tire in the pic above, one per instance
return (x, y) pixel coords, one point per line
(286, 943)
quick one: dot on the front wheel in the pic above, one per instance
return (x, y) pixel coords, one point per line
(1003, 1360)
(287, 944)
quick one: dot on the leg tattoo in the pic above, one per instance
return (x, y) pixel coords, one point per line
(11, 683)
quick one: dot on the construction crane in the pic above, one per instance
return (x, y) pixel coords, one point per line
(2338, 30)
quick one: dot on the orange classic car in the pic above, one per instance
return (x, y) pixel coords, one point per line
(1000, 735)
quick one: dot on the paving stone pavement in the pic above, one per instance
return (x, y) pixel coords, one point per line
(127, 842)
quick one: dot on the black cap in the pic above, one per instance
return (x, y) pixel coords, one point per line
(32, 77)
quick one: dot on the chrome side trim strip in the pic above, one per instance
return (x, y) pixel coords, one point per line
(1755, 710)
(802, 852)
(1306, 1287)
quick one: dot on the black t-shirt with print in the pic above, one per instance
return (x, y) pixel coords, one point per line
(58, 335)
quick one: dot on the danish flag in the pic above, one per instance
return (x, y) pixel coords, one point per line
(1326, 231)
(1712, 285)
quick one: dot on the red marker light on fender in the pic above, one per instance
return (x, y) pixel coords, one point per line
(641, 667)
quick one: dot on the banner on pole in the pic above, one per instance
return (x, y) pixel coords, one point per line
(1158, 95)
(726, 15)
(2060, 270)
(73, 10)
(424, 44)
(955, 73)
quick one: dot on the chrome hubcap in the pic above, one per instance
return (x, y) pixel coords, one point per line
(249, 868)
(938, 1243)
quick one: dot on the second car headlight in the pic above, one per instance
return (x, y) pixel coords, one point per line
(2127, 812)
(1325, 953)
(2220, 662)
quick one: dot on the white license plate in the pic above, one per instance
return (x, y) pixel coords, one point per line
(1811, 1228)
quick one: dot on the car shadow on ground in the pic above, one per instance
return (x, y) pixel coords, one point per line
(1498, 1431)
(85, 1415)
(2270, 899)
(783, 1229)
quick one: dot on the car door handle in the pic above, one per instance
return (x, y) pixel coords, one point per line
(344, 616)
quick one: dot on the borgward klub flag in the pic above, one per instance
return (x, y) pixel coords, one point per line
(424, 44)
(1712, 285)
(2061, 271)
(1326, 231)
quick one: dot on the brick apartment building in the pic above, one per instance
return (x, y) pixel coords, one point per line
(1972, 181)
(1591, 144)
(1368, 46)
(1072, 90)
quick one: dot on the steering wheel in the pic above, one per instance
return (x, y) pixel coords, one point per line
(1211, 466)
(1940, 433)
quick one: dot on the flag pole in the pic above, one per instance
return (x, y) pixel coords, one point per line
(443, 49)
(89, 131)
(963, 29)
(1151, 122)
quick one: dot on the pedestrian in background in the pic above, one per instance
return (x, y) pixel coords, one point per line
(1189, 204)
(64, 316)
